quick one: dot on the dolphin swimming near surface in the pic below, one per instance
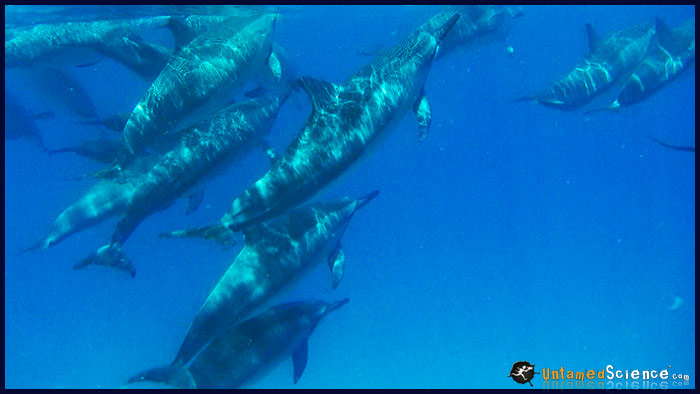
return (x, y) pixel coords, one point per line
(345, 120)
(46, 42)
(241, 351)
(609, 59)
(207, 146)
(200, 78)
(475, 21)
(275, 254)
(671, 54)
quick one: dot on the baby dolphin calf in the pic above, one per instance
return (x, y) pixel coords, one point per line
(609, 59)
(205, 147)
(275, 254)
(241, 351)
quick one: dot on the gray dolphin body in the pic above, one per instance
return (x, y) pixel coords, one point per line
(345, 120)
(208, 70)
(673, 52)
(44, 42)
(609, 59)
(242, 351)
(104, 199)
(275, 254)
(207, 146)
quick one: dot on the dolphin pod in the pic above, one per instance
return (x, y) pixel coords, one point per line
(609, 58)
(275, 253)
(210, 68)
(345, 119)
(672, 53)
(208, 145)
(188, 113)
(240, 351)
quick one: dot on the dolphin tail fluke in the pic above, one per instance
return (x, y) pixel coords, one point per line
(217, 232)
(110, 255)
(174, 374)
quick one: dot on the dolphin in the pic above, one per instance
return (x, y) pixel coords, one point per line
(104, 199)
(206, 72)
(275, 254)
(20, 123)
(671, 54)
(609, 59)
(208, 146)
(51, 41)
(60, 88)
(345, 120)
(242, 351)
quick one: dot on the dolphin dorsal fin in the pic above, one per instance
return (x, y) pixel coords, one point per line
(593, 38)
(662, 31)
(321, 93)
(299, 358)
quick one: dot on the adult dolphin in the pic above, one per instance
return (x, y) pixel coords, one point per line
(275, 254)
(200, 78)
(242, 351)
(203, 149)
(66, 41)
(609, 59)
(346, 119)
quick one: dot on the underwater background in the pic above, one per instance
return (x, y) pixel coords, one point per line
(513, 232)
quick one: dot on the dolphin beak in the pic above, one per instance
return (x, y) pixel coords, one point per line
(365, 199)
(335, 305)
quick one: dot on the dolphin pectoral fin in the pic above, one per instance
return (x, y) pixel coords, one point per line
(273, 63)
(424, 116)
(217, 232)
(336, 262)
(593, 38)
(299, 357)
(320, 92)
(110, 255)
(194, 200)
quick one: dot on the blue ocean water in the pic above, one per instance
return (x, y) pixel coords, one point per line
(513, 232)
